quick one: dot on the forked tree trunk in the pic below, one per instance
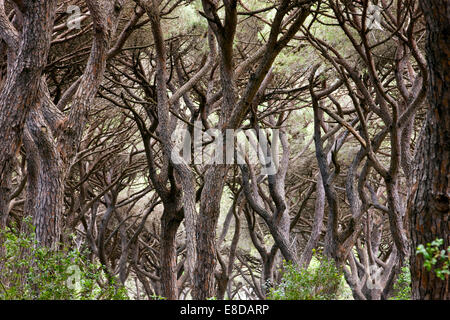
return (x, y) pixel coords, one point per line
(27, 57)
(56, 138)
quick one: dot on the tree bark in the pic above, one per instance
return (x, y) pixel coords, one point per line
(170, 222)
(45, 190)
(429, 202)
(204, 273)
(20, 91)
(56, 138)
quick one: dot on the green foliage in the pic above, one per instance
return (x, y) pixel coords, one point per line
(320, 283)
(156, 297)
(402, 286)
(31, 272)
(435, 257)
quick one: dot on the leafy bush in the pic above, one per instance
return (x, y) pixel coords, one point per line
(31, 272)
(320, 283)
(434, 257)
(402, 286)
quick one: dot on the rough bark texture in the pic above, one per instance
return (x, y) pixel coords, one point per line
(45, 189)
(20, 91)
(204, 273)
(5, 191)
(429, 201)
(56, 138)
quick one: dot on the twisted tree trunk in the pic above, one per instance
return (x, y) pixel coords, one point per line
(27, 57)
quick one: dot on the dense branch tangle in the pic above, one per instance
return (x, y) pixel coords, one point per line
(87, 146)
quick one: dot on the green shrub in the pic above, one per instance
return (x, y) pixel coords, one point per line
(318, 283)
(31, 272)
(434, 257)
(402, 286)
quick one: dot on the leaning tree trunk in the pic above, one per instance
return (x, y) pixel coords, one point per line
(429, 201)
